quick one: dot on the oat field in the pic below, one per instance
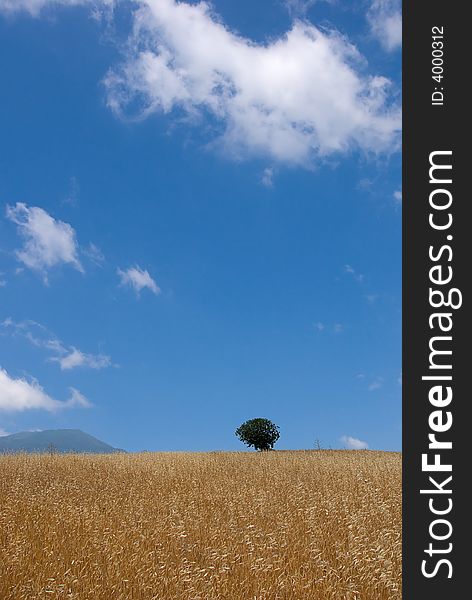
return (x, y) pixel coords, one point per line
(201, 526)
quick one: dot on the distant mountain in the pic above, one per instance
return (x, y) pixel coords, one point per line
(57, 440)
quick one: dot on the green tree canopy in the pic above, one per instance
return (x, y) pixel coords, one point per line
(259, 433)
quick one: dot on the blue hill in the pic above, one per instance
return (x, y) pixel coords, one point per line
(56, 440)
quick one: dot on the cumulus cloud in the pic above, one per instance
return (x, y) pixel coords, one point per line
(34, 7)
(68, 357)
(397, 196)
(298, 98)
(17, 395)
(353, 443)
(47, 242)
(385, 21)
(303, 96)
(138, 279)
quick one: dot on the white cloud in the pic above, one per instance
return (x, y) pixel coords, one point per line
(75, 358)
(17, 395)
(138, 279)
(47, 242)
(303, 96)
(365, 184)
(385, 22)
(3, 433)
(300, 7)
(72, 197)
(94, 254)
(357, 276)
(267, 178)
(397, 195)
(353, 443)
(335, 328)
(376, 384)
(295, 99)
(34, 7)
(67, 357)
(77, 399)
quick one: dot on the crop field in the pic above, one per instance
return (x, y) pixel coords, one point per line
(201, 526)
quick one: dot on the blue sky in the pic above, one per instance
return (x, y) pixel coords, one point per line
(201, 221)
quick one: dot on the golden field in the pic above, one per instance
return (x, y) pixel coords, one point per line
(201, 526)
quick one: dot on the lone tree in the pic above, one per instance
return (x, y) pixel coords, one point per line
(260, 433)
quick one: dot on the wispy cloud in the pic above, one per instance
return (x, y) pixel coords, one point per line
(139, 279)
(385, 22)
(18, 395)
(353, 443)
(75, 358)
(360, 278)
(68, 357)
(300, 7)
(3, 433)
(72, 197)
(376, 384)
(267, 178)
(365, 184)
(94, 254)
(357, 276)
(47, 242)
(397, 196)
(34, 7)
(335, 328)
